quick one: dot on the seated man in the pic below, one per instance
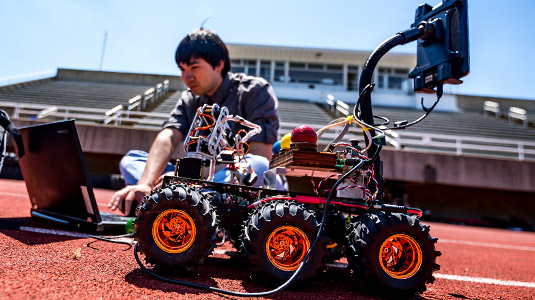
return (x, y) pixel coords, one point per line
(204, 62)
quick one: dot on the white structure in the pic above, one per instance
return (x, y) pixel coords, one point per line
(311, 74)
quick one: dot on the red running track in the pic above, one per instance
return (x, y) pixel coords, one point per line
(476, 263)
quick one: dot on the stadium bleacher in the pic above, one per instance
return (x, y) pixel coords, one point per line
(88, 96)
(73, 93)
(458, 123)
(292, 111)
(96, 98)
(169, 103)
(98, 101)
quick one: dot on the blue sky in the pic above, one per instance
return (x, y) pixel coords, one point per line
(39, 35)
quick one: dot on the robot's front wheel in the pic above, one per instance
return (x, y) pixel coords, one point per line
(277, 237)
(176, 227)
(393, 249)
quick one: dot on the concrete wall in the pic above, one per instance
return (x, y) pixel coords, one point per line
(456, 170)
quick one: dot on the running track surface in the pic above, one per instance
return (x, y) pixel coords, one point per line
(476, 263)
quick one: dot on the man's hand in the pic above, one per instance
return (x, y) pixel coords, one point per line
(159, 182)
(124, 198)
(159, 155)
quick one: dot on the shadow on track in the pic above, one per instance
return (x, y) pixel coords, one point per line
(12, 228)
(233, 274)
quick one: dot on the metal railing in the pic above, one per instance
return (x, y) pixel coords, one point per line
(152, 94)
(140, 102)
(116, 116)
(454, 144)
(462, 145)
(338, 107)
(518, 114)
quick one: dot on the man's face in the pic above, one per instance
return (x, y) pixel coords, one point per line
(200, 77)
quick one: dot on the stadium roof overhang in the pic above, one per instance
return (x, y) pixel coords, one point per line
(319, 55)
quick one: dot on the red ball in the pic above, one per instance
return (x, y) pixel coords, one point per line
(304, 133)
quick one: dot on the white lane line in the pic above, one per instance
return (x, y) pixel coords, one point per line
(333, 265)
(463, 278)
(14, 195)
(485, 280)
(483, 244)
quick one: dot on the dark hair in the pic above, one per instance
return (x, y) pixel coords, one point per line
(204, 44)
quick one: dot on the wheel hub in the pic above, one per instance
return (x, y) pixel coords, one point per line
(174, 231)
(286, 247)
(400, 256)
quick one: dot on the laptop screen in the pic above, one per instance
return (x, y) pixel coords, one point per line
(55, 172)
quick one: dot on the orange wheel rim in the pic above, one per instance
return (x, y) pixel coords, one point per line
(400, 256)
(286, 247)
(173, 231)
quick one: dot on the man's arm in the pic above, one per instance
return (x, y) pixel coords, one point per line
(263, 149)
(160, 153)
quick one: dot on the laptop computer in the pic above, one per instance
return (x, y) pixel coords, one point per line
(57, 180)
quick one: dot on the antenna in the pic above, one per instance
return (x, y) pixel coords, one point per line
(202, 24)
(103, 50)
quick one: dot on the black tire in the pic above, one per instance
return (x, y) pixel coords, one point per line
(374, 241)
(189, 241)
(335, 230)
(295, 229)
(235, 238)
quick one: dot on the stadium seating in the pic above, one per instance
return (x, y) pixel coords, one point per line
(88, 101)
(517, 114)
(491, 107)
(169, 103)
(73, 93)
(458, 123)
(147, 106)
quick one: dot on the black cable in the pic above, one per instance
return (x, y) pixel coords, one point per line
(110, 239)
(427, 111)
(386, 121)
(364, 93)
(356, 112)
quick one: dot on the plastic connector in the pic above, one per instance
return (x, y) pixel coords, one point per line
(400, 123)
(379, 140)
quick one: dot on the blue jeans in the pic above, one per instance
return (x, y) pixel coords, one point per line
(133, 164)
